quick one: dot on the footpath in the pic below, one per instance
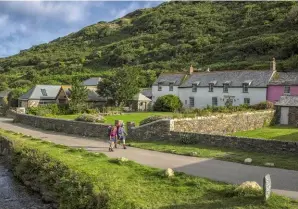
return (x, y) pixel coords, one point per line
(284, 182)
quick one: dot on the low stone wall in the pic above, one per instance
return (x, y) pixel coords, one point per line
(66, 126)
(225, 123)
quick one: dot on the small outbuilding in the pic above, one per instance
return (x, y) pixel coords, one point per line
(140, 103)
(287, 110)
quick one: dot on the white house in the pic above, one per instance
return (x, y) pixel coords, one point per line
(225, 87)
(215, 88)
(167, 83)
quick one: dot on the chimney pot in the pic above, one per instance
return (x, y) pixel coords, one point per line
(273, 65)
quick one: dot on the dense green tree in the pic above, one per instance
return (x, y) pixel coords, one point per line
(122, 86)
(78, 97)
(3, 86)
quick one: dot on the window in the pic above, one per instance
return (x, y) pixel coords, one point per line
(171, 87)
(43, 92)
(159, 87)
(185, 102)
(211, 87)
(247, 101)
(245, 88)
(194, 87)
(287, 90)
(214, 101)
(225, 88)
(191, 102)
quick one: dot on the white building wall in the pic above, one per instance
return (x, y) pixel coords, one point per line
(164, 91)
(203, 97)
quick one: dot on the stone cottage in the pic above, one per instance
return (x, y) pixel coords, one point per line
(287, 110)
(42, 95)
(140, 103)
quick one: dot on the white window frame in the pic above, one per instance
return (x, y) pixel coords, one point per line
(287, 90)
(214, 101)
(194, 87)
(159, 87)
(211, 86)
(225, 88)
(245, 87)
(171, 86)
(191, 101)
(245, 101)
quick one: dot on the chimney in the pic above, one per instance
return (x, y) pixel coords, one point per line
(273, 65)
(208, 70)
(190, 70)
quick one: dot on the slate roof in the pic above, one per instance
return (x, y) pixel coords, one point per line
(4, 93)
(147, 92)
(234, 78)
(166, 78)
(140, 97)
(92, 81)
(288, 101)
(94, 97)
(41, 92)
(284, 78)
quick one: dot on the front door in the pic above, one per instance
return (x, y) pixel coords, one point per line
(284, 116)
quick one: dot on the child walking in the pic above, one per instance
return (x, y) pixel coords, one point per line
(113, 138)
(121, 135)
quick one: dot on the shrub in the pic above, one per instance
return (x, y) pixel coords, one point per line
(91, 118)
(153, 118)
(263, 106)
(49, 109)
(167, 103)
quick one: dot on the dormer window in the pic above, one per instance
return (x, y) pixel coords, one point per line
(287, 90)
(171, 86)
(211, 85)
(159, 87)
(225, 87)
(194, 87)
(245, 87)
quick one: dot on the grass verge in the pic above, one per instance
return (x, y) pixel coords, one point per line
(79, 179)
(286, 161)
(282, 133)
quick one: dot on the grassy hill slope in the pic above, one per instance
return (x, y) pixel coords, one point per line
(219, 35)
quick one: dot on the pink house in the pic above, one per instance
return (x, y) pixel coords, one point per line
(282, 84)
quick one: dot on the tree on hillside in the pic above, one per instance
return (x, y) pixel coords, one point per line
(120, 87)
(78, 97)
(3, 86)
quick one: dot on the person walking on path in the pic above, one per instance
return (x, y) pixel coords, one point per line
(121, 135)
(113, 138)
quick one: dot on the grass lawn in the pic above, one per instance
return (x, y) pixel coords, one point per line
(283, 133)
(287, 161)
(126, 117)
(135, 186)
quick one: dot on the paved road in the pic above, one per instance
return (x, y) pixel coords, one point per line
(285, 182)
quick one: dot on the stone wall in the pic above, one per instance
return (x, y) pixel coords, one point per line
(66, 126)
(225, 123)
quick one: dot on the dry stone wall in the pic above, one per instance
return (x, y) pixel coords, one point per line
(224, 124)
(66, 126)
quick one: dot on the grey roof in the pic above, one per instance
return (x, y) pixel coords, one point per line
(94, 97)
(41, 92)
(140, 97)
(147, 92)
(92, 81)
(4, 93)
(288, 101)
(167, 78)
(284, 78)
(234, 78)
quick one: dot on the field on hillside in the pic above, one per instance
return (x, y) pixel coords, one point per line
(125, 185)
(283, 133)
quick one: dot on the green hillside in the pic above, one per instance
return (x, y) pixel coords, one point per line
(219, 35)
